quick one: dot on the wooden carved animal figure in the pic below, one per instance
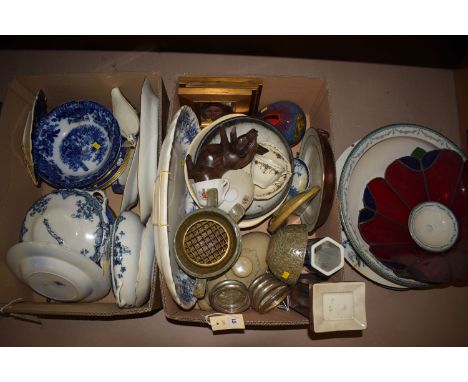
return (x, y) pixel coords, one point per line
(215, 159)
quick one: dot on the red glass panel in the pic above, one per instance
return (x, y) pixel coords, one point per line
(388, 204)
(442, 176)
(407, 181)
(380, 230)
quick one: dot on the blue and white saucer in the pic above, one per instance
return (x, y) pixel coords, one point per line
(116, 174)
(75, 144)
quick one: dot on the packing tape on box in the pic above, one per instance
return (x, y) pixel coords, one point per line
(25, 317)
(220, 321)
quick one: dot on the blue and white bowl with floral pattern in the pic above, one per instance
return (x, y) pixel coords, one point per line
(75, 144)
(125, 257)
(300, 178)
(76, 219)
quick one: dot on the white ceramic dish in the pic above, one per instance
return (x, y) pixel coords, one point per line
(74, 219)
(339, 306)
(170, 190)
(254, 215)
(148, 153)
(369, 159)
(125, 115)
(125, 257)
(130, 193)
(57, 272)
(145, 266)
(350, 254)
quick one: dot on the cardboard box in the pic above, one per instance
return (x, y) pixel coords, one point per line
(17, 192)
(312, 96)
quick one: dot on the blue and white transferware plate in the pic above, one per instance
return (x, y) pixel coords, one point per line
(300, 181)
(369, 159)
(57, 272)
(125, 257)
(75, 144)
(112, 177)
(74, 219)
(171, 203)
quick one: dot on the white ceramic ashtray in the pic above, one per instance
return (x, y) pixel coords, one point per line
(339, 306)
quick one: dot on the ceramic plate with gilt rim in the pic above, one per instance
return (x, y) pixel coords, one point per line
(380, 147)
(148, 154)
(39, 110)
(351, 256)
(169, 207)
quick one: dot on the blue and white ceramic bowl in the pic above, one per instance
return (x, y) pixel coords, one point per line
(125, 256)
(300, 178)
(75, 144)
(76, 219)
